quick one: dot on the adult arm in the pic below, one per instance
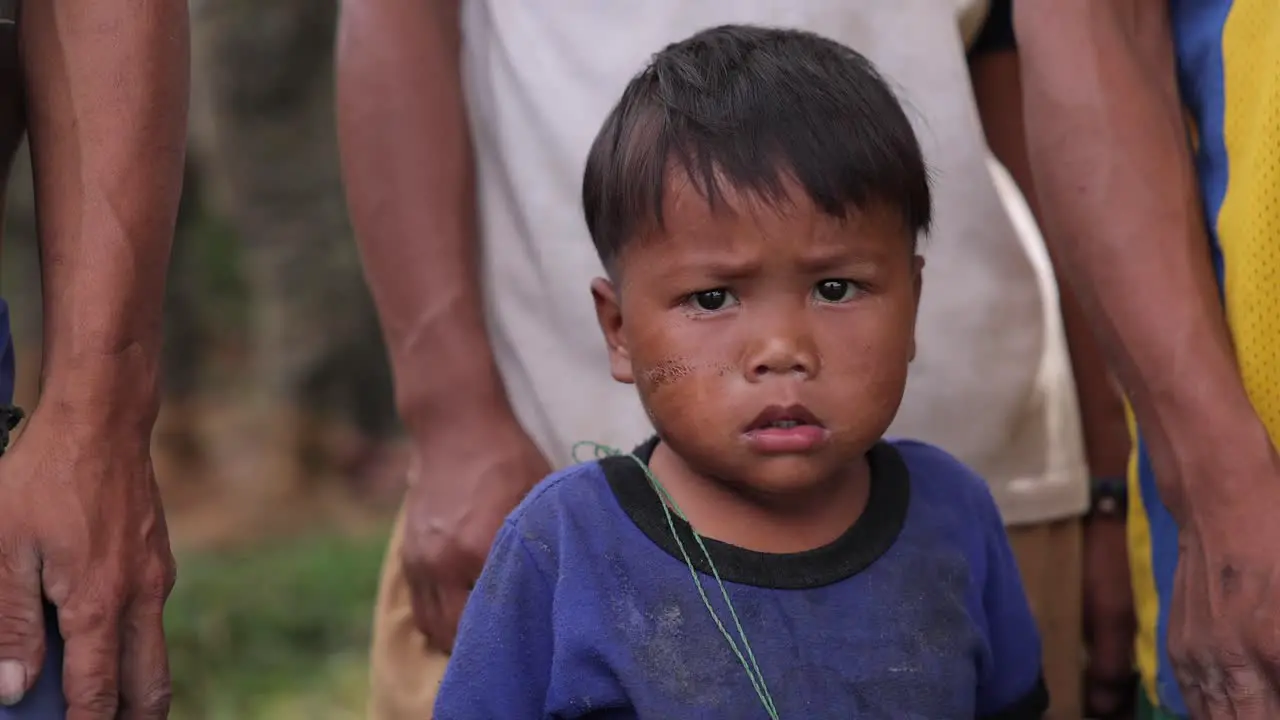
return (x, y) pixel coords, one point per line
(996, 72)
(106, 93)
(1108, 600)
(1109, 150)
(407, 161)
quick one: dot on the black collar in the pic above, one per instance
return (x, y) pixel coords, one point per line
(865, 541)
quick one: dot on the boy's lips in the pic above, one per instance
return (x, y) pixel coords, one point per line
(776, 416)
(785, 430)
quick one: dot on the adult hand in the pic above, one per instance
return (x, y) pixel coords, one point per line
(1224, 624)
(81, 524)
(464, 481)
(1108, 619)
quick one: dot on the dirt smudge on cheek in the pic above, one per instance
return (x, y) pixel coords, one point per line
(666, 373)
(675, 387)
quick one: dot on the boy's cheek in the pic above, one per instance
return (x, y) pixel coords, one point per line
(665, 373)
(676, 392)
(672, 384)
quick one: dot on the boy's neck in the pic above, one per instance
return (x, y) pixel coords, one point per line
(721, 511)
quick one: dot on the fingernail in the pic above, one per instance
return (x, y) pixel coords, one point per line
(13, 682)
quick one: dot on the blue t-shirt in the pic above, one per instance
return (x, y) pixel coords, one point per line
(587, 609)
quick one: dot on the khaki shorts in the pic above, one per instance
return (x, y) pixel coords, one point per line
(406, 670)
(1051, 560)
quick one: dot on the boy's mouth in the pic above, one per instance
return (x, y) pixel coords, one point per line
(777, 417)
(786, 430)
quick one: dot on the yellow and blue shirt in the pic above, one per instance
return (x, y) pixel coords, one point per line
(1229, 71)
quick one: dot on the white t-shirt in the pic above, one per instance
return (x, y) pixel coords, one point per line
(991, 382)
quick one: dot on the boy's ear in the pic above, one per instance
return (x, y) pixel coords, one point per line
(917, 278)
(609, 315)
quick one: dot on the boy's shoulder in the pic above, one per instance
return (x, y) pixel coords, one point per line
(927, 456)
(567, 496)
(933, 460)
(939, 476)
(567, 484)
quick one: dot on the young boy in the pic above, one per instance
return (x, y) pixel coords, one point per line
(755, 196)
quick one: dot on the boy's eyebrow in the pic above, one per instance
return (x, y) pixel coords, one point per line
(827, 258)
(824, 258)
(815, 262)
(719, 267)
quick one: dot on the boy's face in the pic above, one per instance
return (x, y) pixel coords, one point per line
(769, 344)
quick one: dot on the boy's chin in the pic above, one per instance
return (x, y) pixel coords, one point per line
(783, 478)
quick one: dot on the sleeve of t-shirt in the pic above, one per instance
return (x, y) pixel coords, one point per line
(501, 661)
(1012, 685)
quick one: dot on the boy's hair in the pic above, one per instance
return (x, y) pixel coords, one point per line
(750, 107)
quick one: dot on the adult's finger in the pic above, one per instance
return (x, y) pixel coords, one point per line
(144, 663)
(1266, 650)
(22, 644)
(424, 599)
(1197, 707)
(452, 601)
(1247, 693)
(91, 664)
(1224, 691)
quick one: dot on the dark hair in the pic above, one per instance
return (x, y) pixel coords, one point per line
(750, 106)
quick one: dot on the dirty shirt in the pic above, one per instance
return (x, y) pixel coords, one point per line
(588, 609)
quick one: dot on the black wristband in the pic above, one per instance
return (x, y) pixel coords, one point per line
(1109, 497)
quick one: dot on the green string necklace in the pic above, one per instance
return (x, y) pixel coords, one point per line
(743, 652)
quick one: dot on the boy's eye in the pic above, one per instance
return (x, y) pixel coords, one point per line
(835, 291)
(712, 300)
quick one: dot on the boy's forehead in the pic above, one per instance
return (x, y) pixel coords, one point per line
(728, 241)
(691, 225)
(693, 217)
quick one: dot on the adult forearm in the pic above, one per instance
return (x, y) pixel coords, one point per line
(107, 87)
(1109, 152)
(1102, 417)
(1000, 105)
(407, 161)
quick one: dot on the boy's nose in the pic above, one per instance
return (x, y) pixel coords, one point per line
(783, 353)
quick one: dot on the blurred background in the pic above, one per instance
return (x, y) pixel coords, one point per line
(277, 447)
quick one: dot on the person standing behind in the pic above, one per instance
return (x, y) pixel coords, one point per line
(1171, 236)
(463, 127)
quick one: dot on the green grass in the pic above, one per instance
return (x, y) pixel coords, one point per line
(274, 632)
